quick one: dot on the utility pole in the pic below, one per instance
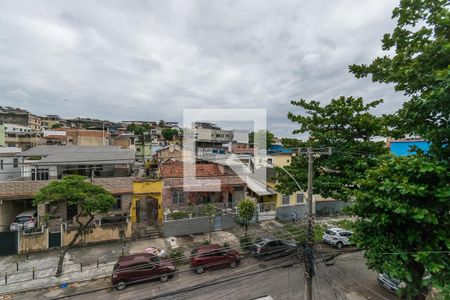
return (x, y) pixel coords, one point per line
(308, 250)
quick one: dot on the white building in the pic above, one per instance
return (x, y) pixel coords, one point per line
(9, 163)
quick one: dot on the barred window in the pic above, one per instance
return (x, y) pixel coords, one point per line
(178, 197)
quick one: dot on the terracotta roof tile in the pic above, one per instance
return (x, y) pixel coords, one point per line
(28, 188)
(174, 169)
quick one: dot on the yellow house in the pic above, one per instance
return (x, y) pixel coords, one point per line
(287, 200)
(279, 159)
(146, 205)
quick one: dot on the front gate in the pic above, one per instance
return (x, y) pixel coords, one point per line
(218, 223)
(54, 239)
(8, 244)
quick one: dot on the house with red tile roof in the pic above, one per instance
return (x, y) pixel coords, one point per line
(179, 194)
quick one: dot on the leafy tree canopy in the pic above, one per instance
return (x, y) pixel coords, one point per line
(138, 129)
(246, 210)
(261, 134)
(92, 199)
(169, 133)
(418, 63)
(403, 223)
(345, 124)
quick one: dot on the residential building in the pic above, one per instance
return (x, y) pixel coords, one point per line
(175, 190)
(49, 121)
(21, 136)
(17, 196)
(143, 146)
(173, 152)
(54, 137)
(124, 141)
(2, 135)
(20, 117)
(9, 163)
(85, 137)
(54, 162)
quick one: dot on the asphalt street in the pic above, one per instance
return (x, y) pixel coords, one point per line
(348, 278)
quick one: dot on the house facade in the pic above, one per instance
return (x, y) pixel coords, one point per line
(54, 162)
(176, 194)
(9, 163)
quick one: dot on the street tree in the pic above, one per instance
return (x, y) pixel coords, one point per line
(74, 190)
(417, 63)
(348, 127)
(246, 210)
(403, 220)
(210, 211)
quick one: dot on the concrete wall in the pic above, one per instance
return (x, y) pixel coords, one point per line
(35, 241)
(285, 212)
(324, 208)
(195, 225)
(107, 232)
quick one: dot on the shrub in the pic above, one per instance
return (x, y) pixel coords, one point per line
(206, 242)
(177, 215)
(177, 255)
(345, 224)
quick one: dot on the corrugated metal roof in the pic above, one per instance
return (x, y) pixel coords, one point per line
(57, 149)
(80, 155)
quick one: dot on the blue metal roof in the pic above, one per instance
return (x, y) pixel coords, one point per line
(402, 148)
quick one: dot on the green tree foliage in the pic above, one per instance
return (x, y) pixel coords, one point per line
(403, 208)
(74, 190)
(418, 63)
(261, 134)
(169, 133)
(138, 129)
(346, 125)
(246, 210)
(210, 211)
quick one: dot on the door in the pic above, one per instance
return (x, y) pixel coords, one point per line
(54, 239)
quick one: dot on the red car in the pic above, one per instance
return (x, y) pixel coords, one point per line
(140, 267)
(213, 256)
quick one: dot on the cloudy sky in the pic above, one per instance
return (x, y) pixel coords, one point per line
(148, 60)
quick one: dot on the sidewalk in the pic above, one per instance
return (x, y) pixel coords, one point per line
(81, 262)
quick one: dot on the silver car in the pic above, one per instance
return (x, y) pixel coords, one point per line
(26, 220)
(337, 237)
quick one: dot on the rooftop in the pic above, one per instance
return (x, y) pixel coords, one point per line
(29, 189)
(85, 155)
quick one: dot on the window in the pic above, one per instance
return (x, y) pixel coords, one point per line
(15, 162)
(300, 198)
(39, 174)
(178, 197)
(118, 203)
(285, 200)
(272, 244)
(1, 164)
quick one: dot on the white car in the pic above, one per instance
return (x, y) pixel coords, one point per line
(26, 220)
(337, 237)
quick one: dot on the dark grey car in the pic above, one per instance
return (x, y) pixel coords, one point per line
(272, 247)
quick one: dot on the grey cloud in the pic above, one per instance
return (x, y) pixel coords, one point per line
(150, 59)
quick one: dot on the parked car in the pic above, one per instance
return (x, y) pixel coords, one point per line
(267, 246)
(213, 256)
(337, 237)
(141, 267)
(392, 284)
(26, 220)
